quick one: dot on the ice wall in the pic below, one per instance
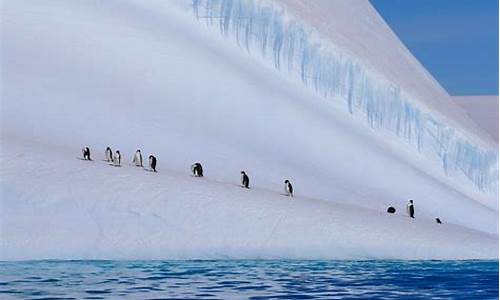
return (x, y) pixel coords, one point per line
(483, 109)
(264, 28)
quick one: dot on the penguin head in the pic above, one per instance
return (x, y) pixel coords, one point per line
(242, 172)
(118, 151)
(411, 201)
(286, 181)
(139, 150)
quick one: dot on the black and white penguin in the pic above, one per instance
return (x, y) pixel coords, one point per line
(109, 154)
(137, 158)
(197, 170)
(245, 181)
(152, 163)
(438, 221)
(410, 209)
(117, 158)
(86, 153)
(288, 188)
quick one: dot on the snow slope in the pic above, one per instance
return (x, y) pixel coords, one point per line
(148, 75)
(370, 39)
(101, 214)
(301, 52)
(483, 110)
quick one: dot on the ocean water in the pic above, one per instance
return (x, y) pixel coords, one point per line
(234, 279)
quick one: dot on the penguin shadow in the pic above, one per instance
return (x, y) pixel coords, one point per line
(134, 165)
(149, 170)
(84, 159)
(240, 186)
(286, 195)
(113, 165)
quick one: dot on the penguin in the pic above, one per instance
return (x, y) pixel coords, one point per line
(245, 181)
(197, 170)
(86, 153)
(438, 221)
(137, 158)
(152, 163)
(410, 209)
(109, 154)
(391, 210)
(288, 188)
(117, 158)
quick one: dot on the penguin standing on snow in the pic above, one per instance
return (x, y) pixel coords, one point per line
(410, 209)
(197, 170)
(109, 154)
(245, 181)
(152, 163)
(288, 188)
(137, 158)
(117, 158)
(86, 153)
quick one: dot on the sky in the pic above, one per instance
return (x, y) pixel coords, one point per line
(456, 40)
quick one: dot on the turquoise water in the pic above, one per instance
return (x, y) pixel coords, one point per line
(233, 279)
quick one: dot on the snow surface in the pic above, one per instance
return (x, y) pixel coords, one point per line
(295, 48)
(105, 212)
(368, 38)
(483, 109)
(148, 75)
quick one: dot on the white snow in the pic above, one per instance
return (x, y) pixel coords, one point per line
(146, 74)
(368, 38)
(483, 109)
(301, 52)
(89, 210)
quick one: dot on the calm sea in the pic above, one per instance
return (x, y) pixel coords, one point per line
(234, 279)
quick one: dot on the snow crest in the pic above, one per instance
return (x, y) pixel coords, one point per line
(293, 47)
